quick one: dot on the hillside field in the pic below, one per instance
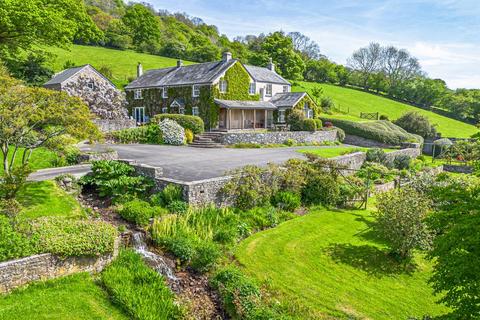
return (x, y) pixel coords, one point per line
(123, 65)
(329, 264)
(355, 101)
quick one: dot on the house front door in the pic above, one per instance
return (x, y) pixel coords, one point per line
(139, 114)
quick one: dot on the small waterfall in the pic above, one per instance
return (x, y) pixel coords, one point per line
(156, 261)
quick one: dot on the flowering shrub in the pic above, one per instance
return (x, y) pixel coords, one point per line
(173, 133)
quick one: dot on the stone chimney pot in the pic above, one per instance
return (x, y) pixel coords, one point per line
(227, 56)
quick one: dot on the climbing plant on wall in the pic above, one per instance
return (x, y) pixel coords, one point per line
(238, 81)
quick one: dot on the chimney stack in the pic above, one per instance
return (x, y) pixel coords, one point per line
(227, 56)
(139, 70)
(179, 63)
(271, 65)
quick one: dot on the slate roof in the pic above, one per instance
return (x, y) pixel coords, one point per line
(265, 75)
(287, 99)
(64, 75)
(240, 104)
(201, 73)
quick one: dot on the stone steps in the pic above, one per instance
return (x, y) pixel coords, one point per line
(206, 140)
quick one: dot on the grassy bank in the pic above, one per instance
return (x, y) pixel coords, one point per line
(330, 264)
(354, 101)
(123, 64)
(45, 198)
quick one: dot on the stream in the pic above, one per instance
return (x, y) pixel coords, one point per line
(157, 262)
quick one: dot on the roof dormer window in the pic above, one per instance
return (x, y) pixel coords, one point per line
(285, 89)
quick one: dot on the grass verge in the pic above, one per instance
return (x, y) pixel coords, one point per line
(74, 297)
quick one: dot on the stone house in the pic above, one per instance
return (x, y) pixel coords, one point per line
(105, 101)
(226, 94)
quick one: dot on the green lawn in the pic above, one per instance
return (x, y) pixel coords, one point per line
(123, 64)
(45, 198)
(75, 297)
(41, 158)
(335, 151)
(355, 101)
(329, 264)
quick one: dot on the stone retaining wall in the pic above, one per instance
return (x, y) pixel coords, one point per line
(114, 125)
(208, 191)
(16, 273)
(411, 152)
(457, 168)
(97, 156)
(352, 161)
(364, 142)
(279, 137)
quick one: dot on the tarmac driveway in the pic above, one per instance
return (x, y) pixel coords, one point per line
(191, 164)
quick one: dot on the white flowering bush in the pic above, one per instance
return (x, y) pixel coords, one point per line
(173, 133)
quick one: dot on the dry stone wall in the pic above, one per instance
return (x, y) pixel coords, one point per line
(109, 125)
(16, 273)
(277, 137)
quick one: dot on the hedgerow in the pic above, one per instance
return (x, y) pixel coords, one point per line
(381, 131)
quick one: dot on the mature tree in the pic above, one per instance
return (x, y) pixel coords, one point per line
(29, 24)
(303, 44)
(279, 47)
(320, 71)
(456, 248)
(143, 25)
(425, 92)
(366, 61)
(29, 117)
(401, 220)
(399, 66)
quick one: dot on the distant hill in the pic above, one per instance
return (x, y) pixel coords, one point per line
(352, 102)
(122, 65)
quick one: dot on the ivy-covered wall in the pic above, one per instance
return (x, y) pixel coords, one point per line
(238, 81)
(238, 84)
(154, 102)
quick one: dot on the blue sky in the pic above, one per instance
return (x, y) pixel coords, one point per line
(443, 34)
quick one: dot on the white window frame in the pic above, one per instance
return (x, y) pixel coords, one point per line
(91, 85)
(165, 93)
(137, 94)
(181, 110)
(252, 89)
(195, 91)
(164, 110)
(223, 86)
(195, 111)
(268, 90)
(285, 89)
(308, 111)
(142, 109)
(281, 116)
